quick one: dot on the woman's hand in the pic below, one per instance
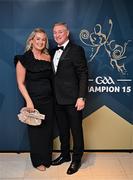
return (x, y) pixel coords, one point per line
(30, 106)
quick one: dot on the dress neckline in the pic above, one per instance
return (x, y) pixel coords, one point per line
(39, 60)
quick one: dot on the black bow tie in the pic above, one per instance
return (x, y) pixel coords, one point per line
(59, 47)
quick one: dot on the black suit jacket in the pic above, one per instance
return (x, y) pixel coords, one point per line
(71, 78)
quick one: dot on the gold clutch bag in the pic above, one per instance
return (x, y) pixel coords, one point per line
(30, 118)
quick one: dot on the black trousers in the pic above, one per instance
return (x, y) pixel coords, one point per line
(68, 118)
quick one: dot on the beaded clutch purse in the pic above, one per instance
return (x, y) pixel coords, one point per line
(30, 118)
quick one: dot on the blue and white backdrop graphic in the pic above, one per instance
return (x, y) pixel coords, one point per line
(103, 27)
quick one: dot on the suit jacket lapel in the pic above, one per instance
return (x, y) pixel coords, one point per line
(62, 56)
(65, 51)
(52, 54)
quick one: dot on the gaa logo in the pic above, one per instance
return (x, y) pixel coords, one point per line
(104, 80)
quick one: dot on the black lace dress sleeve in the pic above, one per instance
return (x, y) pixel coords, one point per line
(30, 63)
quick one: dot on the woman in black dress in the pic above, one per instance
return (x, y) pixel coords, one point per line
(34, 73)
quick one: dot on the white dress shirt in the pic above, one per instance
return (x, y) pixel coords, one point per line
(57, 55)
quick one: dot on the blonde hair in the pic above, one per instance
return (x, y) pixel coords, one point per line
(32, 35)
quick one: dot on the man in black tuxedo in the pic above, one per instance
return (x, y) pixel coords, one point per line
(70, 87)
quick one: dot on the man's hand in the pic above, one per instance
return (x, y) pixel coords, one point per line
(80, 104)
